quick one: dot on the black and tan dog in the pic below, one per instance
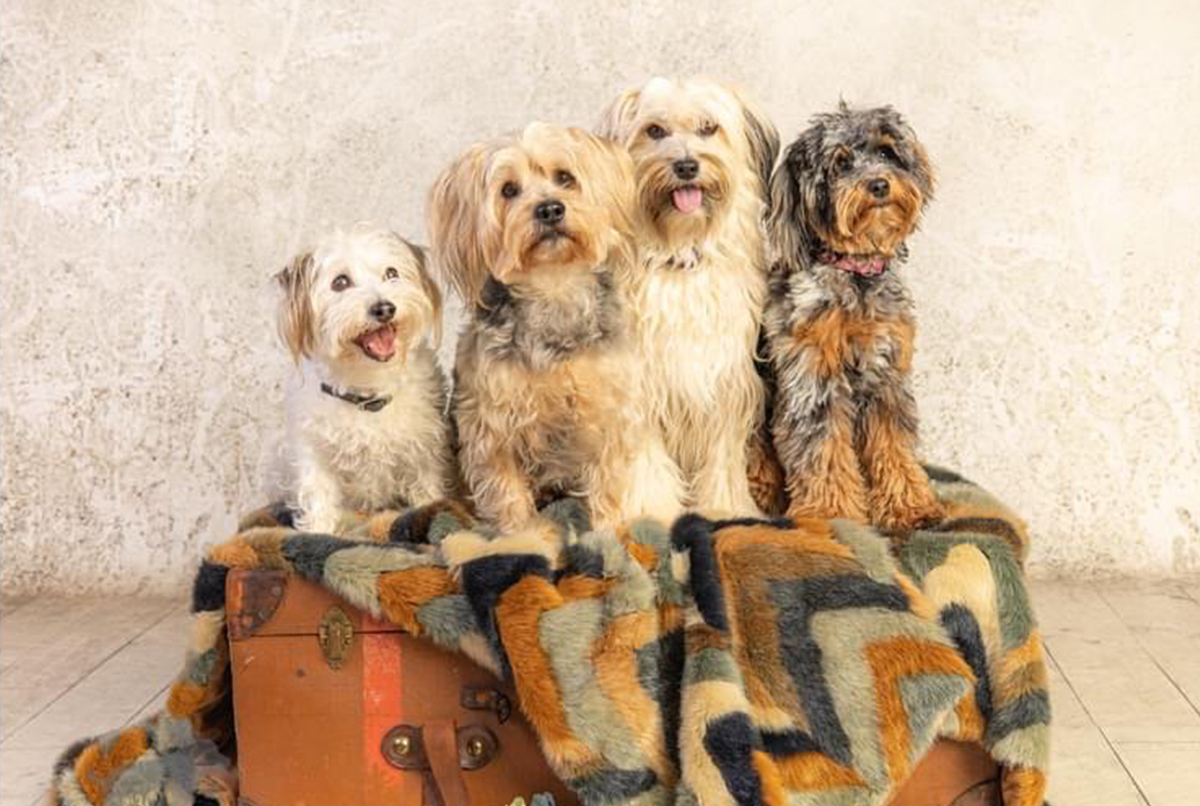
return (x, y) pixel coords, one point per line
(840, 321)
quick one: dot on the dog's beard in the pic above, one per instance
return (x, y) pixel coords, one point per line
(863, 225)
(539, 248)
(683, 211)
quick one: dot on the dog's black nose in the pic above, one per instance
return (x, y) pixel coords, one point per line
(879, 188)
(550, 212)
(686, 169)
(382, 311)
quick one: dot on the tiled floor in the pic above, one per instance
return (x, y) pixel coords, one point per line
(1124, 666)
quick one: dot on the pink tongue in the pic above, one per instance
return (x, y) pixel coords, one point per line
(380, 343)
(687, 200)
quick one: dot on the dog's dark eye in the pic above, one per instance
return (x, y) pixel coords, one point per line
(655, 132)
(843, 163)
(564, 179)
(341, 282)
(889, 154)
(510, 190)
(391, 273)
(708, 129)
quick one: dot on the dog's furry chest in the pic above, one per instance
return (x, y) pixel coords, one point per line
(546, 374)
(697, 328)
(832, 330)
(563, 430)
(543, 332)
(555, 417)
(374, 455)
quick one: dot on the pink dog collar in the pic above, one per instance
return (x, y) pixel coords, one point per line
(855, 264)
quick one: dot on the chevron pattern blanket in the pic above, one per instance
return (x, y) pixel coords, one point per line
(715, 663)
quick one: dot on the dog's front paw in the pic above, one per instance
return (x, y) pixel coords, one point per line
(828, 508)
(906, 509)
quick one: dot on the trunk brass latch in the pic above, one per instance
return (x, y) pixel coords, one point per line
(335, 634)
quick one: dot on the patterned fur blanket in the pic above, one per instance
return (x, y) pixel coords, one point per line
(731, 663)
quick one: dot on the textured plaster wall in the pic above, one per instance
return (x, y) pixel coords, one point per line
(161, 159)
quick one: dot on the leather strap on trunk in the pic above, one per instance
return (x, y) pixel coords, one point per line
(441, 748)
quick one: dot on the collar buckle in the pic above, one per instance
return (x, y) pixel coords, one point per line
(371, 403)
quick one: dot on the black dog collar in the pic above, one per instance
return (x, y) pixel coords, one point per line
(364, 402)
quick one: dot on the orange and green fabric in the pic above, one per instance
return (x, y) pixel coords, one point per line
(716, 663)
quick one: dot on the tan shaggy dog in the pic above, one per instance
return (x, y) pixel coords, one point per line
(702, 158)
(534, 232)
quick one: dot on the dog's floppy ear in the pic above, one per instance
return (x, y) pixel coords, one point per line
(762, 138)
(610, 168)
(457, 243)
(611, 163)
(623, 187)
(432, 292)
(922, 168)
(924, 171)
(617, 119)
(295, 317)
(793, 200)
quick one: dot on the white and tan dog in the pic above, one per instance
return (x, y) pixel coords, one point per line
(366, 425)
(703, 157)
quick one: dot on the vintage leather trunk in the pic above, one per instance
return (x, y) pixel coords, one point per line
(952, 774)
(335, 708)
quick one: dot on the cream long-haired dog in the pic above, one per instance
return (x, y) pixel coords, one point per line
(366, 425)
(702, 158)
(534, 232)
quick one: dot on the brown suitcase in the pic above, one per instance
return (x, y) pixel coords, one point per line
(952, 774)
(335, 708)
